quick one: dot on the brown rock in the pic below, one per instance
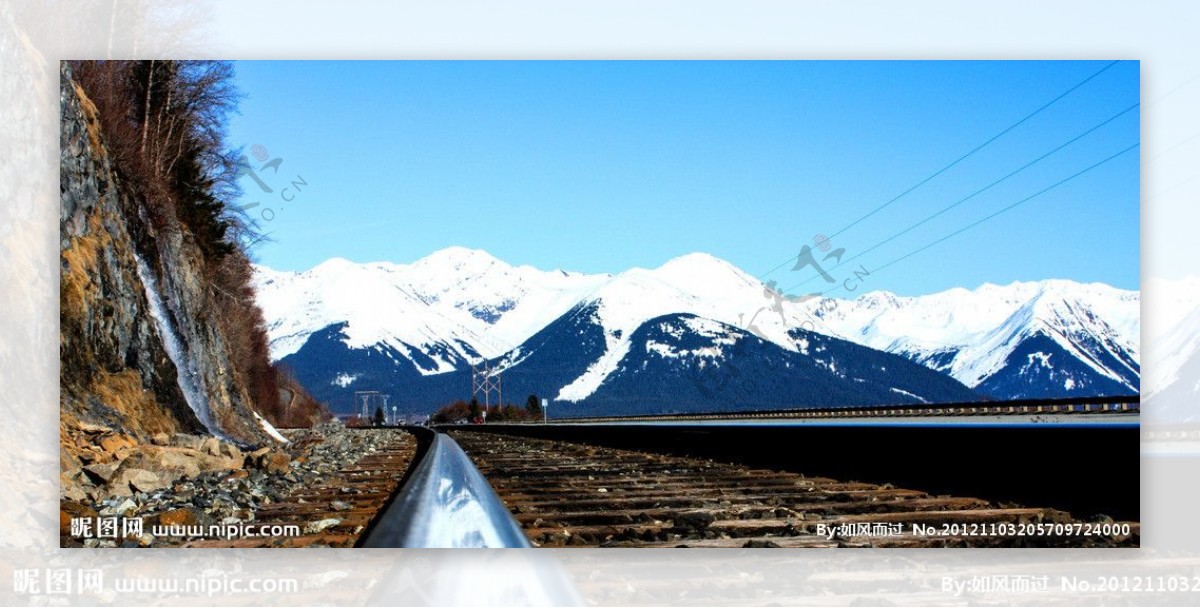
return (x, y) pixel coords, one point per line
(146, 481)
(92, 455)
(181, 461)
(161, 439)
(127, 480)
(278, 462)
(151, 467)
(177, 517)
(187, 441)
(190, 462)
(72, 485)
(67, 460)
(116, 442)
(100, 472)
(88, 427)
(75, 491)
(95, 493)
(270, 460)
(69, 509)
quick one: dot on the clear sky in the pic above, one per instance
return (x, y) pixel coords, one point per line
(602, 166)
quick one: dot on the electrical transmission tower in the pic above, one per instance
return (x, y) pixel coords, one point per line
(365, 399)
(485, 380)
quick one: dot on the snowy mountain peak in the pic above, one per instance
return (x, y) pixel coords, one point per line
(334, 265)
(696, 260)
(459, 258)
(877, 300)
(697, 269)
(974, 335)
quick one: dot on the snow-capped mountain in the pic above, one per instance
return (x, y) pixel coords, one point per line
(695, 284)
(451, 307)
(1050, 338)
(604, 340)
(680, 362)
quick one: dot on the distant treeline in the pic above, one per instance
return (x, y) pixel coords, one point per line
(473, 411)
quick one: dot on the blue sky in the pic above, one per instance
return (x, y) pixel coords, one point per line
(602, 166)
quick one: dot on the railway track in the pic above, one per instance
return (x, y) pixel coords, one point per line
(335, 512)
(1126, 405)
(574, 494)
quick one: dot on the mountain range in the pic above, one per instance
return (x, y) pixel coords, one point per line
(695, 334)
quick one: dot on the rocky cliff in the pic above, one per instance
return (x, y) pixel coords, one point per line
(141, 353)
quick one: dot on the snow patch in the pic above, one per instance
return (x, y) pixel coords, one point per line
(343, 380)
(1038, 358)
(266, 426)
(908, 394)
(596, 374)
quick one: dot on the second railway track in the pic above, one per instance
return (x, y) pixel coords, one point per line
(574, 494)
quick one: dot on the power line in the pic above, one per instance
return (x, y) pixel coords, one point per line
(959, 159)
(975, 193)
(997, 213)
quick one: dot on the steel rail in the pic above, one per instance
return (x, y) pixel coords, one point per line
(444, 503)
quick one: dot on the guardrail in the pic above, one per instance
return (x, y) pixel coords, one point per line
(444, 503)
